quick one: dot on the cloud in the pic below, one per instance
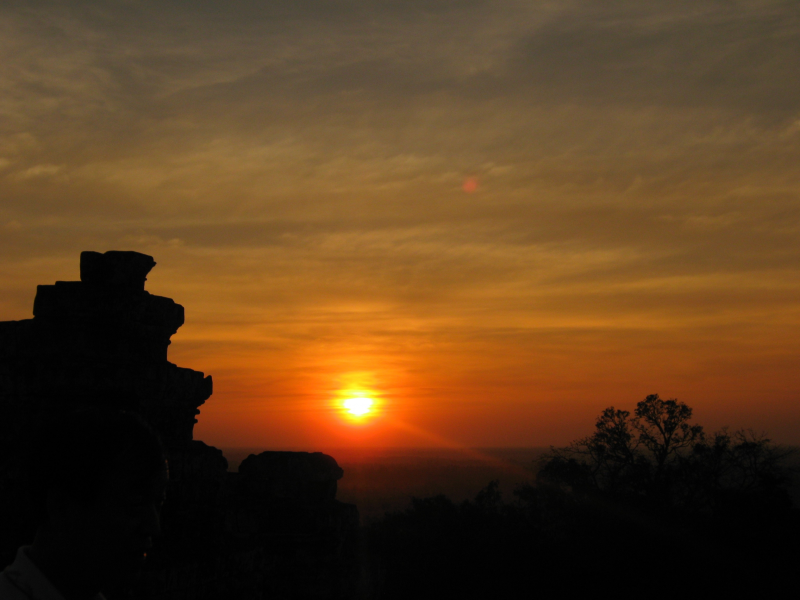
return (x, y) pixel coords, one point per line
(705, 54)
(296, 169)
(40, 171)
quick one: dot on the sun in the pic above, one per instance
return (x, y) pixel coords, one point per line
(358, 407)
(357, 399)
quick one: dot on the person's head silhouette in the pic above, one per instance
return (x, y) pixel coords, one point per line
(96, 480)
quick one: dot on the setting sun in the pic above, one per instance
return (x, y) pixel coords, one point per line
(358, 406)
(357, 398)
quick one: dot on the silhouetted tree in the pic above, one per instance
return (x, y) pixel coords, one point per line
(664, 428)
(660, 457)
(605, 460)
(736, 469)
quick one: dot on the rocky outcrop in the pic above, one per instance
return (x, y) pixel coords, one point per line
(307, 476)
(272, 530)
(286, 500)
(101, 340)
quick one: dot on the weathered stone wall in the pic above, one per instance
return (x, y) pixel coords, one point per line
(273, 530)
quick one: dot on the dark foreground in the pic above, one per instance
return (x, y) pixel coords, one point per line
(522, 538)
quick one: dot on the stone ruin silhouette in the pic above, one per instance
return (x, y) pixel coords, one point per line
(272, 530)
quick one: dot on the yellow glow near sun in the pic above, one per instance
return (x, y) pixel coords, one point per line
(358, 407)
(356, 398)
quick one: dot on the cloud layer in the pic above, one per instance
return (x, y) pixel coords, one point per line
(297, 169)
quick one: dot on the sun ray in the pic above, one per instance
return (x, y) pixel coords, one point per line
(473, 453)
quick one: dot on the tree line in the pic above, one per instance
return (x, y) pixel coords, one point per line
(649, 503)
(657, 457)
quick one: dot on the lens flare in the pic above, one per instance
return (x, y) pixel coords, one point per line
(470, 185)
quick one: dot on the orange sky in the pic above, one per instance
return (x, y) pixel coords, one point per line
(498, 217)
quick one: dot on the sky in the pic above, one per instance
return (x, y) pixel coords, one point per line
(492, 218)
